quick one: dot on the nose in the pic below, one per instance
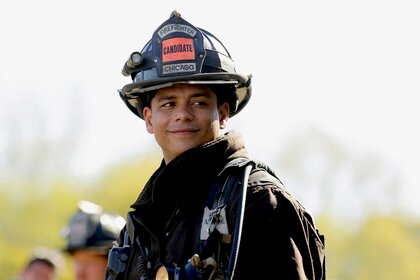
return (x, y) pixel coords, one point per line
(184, 113)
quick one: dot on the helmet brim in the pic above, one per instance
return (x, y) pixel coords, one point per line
(130, 93)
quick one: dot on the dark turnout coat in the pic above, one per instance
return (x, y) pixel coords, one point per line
(168, 215)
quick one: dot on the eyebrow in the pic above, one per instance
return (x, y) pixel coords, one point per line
(171, 97)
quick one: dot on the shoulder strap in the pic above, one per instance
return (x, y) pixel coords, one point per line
(214, 227)
(239, 221)
(221, 193)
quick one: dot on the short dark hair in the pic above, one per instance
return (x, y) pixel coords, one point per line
(224, 93)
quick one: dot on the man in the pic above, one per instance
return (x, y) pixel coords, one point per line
(45, 264)
(194, 219)
(90, 234)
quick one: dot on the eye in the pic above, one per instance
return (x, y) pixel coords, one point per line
(167, 104)
(200, 103)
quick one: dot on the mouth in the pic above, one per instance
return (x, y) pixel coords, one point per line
(181, 131)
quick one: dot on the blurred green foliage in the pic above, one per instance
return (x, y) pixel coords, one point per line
(33, 214)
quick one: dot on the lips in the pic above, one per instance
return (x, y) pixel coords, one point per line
(183, 130)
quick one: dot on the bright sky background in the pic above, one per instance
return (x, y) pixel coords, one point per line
(351, 68)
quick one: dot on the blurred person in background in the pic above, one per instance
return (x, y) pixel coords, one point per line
(44, 264)
(90, 234)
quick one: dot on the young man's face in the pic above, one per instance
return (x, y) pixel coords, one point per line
(183, 117)
(88, 265)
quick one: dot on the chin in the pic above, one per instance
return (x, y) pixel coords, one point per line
(185, 147)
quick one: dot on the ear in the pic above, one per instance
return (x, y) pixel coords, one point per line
(147, 113)
(223, 114)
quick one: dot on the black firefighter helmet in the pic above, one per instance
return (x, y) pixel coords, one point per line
(179, 52)
(92, 228)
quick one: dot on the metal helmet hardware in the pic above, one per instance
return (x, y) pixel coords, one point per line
(179, 52)
(92, 228)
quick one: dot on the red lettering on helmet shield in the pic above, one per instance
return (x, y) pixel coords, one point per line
(175, 49)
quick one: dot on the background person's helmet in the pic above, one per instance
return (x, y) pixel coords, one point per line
(92, 228)
(182, 53)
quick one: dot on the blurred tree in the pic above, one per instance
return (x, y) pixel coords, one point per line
(35, 218)
(34, 145)
(120, 185)
(37, 194)
(382, 247)
(329, 178)
(356, 196)
(31, 219)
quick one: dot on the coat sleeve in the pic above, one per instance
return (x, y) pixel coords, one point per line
(274, 243)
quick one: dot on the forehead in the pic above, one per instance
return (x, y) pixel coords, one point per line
(87, 255)
(185, 89)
